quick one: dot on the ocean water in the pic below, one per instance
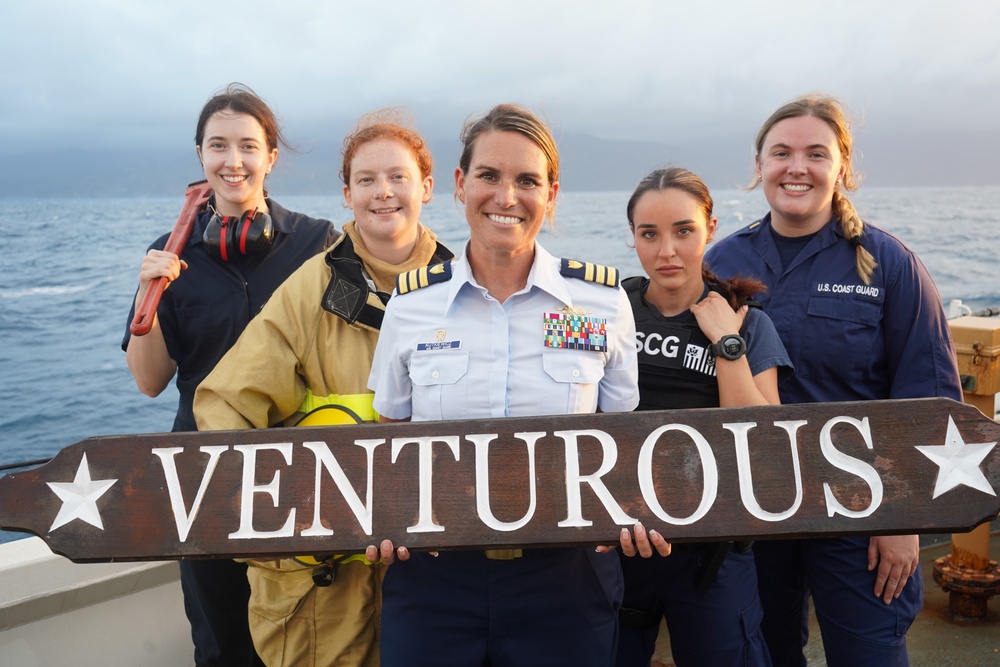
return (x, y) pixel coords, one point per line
(68, 272)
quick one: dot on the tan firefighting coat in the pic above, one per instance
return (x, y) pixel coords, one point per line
(300, 352)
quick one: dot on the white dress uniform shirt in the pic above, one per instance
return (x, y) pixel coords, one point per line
(451, 351)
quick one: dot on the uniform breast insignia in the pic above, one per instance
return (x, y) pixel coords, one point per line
(570, 310)
(593, 273)
(575, 331)
(422, 277)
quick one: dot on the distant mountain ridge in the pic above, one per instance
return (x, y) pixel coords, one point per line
(587, 164)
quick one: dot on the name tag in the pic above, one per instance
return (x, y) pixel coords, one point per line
(442, 345)
(872, 292)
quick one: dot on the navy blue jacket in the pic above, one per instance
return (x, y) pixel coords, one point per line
(205, 310)
(848, 341)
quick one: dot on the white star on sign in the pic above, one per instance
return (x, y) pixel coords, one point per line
(80, 497)
(958, 462)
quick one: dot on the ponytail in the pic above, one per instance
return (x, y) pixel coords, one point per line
(737, 290)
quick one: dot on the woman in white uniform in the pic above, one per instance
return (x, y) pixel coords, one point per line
(506, 330)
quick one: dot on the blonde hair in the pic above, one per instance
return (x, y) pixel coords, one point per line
(831, 111)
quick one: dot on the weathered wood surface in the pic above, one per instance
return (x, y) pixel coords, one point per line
(923, 465)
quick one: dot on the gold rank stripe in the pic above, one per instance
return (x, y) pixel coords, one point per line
(594, 273)
(598, 273)
(608, 275)
(417, 278)
(411, 280)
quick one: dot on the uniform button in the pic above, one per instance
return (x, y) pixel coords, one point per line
(576, 372)
(435, 375)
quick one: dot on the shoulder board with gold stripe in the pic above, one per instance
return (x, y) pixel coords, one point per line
(422, 277)
(593, 273)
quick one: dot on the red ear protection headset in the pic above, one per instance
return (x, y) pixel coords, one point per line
(229, 236)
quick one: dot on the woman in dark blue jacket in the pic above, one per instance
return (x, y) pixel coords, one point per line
(861, 319)
(216, 285)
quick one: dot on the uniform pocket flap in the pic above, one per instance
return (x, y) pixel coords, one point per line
(438, 367)
(848, 310)
(574, 366)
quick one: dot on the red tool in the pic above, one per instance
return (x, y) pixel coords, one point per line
(195, 198)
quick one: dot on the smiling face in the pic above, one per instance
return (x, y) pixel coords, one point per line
(387, 192)
(506, 193)
(671, 231)
(800, 163)
(236, 158)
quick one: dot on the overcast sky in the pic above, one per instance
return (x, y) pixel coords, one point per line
(135, 73)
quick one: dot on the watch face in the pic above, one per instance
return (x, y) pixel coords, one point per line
(731, 347)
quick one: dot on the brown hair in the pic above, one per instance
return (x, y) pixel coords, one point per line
(737, 290)
(511, 118)
(240, 99)
(385, 124)
(831, 111)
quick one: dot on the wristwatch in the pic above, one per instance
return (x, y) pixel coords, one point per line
(730, 346)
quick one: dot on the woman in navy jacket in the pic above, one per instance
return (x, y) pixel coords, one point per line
(216, 285)
(861, 319)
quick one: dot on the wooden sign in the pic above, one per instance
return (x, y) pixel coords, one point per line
(874, 467)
